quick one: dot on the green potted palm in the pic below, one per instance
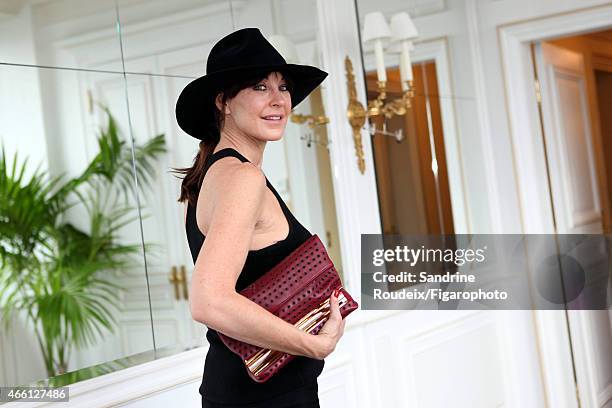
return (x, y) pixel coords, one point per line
(62, 277)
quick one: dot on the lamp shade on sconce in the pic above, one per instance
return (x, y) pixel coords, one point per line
(375, 27)
(403, 27)
(404, 31)
(285, 47)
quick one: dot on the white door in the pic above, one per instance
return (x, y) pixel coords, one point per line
(569, 143)
(169, 267)
(134, 320)
(166, 254)
(576, 202)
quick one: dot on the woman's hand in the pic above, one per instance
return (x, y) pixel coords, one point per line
(327, 338)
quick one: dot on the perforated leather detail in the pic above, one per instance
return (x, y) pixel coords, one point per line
(294, 287)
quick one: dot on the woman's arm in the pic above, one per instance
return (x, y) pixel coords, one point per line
(237, 205)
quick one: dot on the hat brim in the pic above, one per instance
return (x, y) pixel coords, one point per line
(196, 103)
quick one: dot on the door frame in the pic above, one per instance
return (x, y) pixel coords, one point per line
(527, 143)
(355, 193)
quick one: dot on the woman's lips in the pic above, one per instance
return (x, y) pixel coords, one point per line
(273, 119)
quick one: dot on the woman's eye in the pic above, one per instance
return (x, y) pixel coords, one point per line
(262, 87)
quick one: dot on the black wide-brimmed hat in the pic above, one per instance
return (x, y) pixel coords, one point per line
(241, 54)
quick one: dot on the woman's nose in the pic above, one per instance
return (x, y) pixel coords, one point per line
(277, 98)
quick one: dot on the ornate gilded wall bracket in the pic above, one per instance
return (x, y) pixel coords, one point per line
(357, 114)
(311, 120)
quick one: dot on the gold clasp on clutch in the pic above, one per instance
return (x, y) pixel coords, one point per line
(266, 357)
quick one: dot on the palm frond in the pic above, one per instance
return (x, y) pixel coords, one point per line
(60, 274)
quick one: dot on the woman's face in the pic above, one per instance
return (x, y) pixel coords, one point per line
(261, 111)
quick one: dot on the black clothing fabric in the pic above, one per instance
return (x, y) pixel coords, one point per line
(304, 397)
(225, 380)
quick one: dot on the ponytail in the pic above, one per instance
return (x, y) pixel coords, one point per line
(194, 175)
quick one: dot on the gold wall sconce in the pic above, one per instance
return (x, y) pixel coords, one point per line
(311, 120)
(376, 31)
(288, 50)
(357, 114)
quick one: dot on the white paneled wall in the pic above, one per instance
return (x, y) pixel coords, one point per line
(376, 364)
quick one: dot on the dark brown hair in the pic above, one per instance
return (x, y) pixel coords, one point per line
(194, 175)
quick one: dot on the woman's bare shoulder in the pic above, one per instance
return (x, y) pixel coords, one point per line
(233, 177)
(235, 187)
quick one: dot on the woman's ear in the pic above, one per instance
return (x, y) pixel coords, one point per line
(218, 101)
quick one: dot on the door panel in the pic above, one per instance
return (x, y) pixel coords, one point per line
(569, 143)
(575, 194)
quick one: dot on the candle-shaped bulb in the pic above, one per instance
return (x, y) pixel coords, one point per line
(405, 62)
(380, 61)
(403, 75)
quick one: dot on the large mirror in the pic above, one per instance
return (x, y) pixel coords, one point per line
(55, 34)
(72, 280)
(96, 264)
(421, 154)
(425, 139)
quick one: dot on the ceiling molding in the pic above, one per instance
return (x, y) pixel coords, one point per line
(416, 8)
(10, 8)
(148, 24)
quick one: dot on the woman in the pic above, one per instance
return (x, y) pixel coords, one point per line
(238, 227)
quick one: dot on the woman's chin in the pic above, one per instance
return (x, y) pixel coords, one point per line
(272, 136)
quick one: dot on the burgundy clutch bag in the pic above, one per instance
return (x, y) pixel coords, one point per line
(297, 290)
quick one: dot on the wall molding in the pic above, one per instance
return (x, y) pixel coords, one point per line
(355, 193)
(484, 115)
(134, 382)
(142, 26)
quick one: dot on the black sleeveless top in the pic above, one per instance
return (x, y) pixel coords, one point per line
(225, 378)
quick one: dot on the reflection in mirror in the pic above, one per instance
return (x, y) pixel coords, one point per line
(169, 265)
(72, 279)
(417, 159)
(417, 152)
(412, 171)
(174, 47)
(60, 33)
(416, 149)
